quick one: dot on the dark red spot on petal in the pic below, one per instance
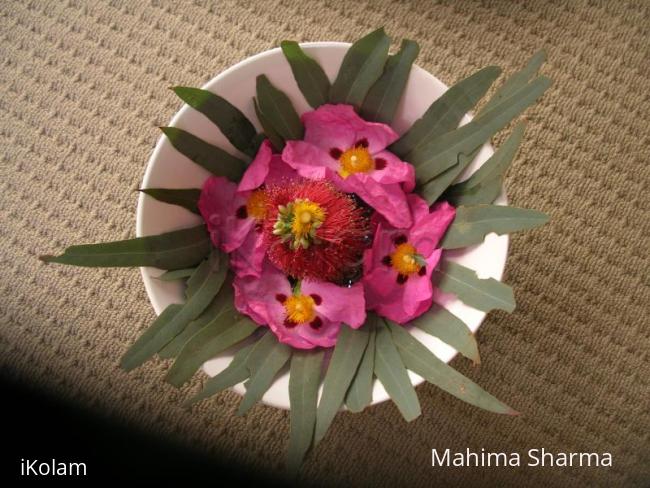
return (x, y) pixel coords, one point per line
(386, 260)
(316, 324)
(281, 297)
(401, 279)
(362, 143)
(317, 299)
(241, 212)
(289, 324)
(400, 239)
(380, 163)
(335, 152)
(422, 271)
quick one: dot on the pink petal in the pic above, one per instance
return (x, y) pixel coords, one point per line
(218, 205)
(306, 337)
(428, 230)
(248, 258)
(389, 200)
(339, 126)
(394, 171)
(308, 160)
(279, 171)
(257, 297)
(338, 303)
(258, 170)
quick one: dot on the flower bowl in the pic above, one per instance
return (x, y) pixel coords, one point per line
(167, 168)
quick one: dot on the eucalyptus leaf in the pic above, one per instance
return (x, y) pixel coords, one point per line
(213, 272)
(472, 224)
(172, 250)
(231, 121)
(222, 302)
(304, 380)
(224, 331)
(391, 372)
(187, 197)
(423, 362)
(516, 81)
(177, 274)
(214, 159)
(276, 139)
(359, 395)
(484, 186)
(446, 112)
(443, 152)
(265, 372)
(362, 66)
(235, 373)
(482, 294)
(343, 365)
(441, 323)
(381, 101)
(309, 75)
(278, 110)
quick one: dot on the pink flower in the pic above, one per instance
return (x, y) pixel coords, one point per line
(306, 317)
(397, 278)
(232, 213)
(342, 147)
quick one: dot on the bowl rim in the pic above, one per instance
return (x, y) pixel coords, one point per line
(185, 108)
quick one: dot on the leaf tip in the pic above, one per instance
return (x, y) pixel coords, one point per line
(46, 258)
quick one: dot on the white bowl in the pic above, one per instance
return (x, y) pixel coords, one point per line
(169, 169)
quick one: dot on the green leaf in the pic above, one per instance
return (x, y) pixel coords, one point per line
(485, 295)
(268, 356)
(214, 159)
(381, 101)
(276, 139)
(177, 274)
(235, 373)
(362, 66)
(446, 112)
(485, 184)
(516, 81)
(391, 372)
(187, 198)
(436, 156)
(444, 325)
(343, 365)
(359, 395)
(423, 362)
(224, 331)
(309, 75)
(304, 380)
(172, 250)
(222, 302)
(212, 272)
(230, 120)
(278, 110)
(472, 224)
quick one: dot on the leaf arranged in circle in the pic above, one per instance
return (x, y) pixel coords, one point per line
(231, 121)
(271, 134)
(212, 158)
(172, 250)
(472, 224)
(359, 394)
(381, 101)
(309, 75)
(278, 111)
(482, 294)
(187, 197)
(362, 66)
(423, 362)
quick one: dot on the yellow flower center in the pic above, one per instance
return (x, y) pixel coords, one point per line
(405, 259)
(355, 160)
(256, 205)
(298, 222)
(300, 309)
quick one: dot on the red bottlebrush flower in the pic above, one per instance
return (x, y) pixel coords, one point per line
(313, 230)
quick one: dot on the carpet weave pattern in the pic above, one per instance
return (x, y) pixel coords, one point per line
(85, 83)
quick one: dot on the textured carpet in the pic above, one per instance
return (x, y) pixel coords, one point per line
(83, 87)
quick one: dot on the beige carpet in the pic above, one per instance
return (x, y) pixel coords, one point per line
(83, 87)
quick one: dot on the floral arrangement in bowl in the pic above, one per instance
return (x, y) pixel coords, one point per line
(324, 241)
